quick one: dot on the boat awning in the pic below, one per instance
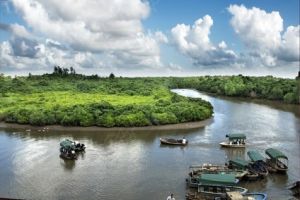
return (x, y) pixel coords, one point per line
(239, 162)
(255, 156)
(275, 154)
(67, 144)
(217, 179)
(235, 136)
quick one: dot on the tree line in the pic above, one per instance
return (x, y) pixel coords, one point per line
(268, 87)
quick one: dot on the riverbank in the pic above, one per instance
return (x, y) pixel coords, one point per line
(59, 128)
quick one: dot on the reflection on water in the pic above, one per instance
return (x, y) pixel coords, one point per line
(133, 164)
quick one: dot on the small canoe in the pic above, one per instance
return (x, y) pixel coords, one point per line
(256, 196)
(171, 141)
(247, 196)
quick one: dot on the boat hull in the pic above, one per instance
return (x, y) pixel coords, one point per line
(277, 167)
(214, 191)
(68, 156)
(167, 141)
(256, 196)
(228, 145)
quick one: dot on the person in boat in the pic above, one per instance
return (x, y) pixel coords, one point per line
(183, 140)
(171, 197)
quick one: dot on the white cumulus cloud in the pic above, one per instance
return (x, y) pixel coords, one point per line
(261, 33)
(84, 30)
(194, 42)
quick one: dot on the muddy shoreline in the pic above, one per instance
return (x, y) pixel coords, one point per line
(180, 126)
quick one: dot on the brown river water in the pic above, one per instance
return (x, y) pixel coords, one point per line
(132, 165)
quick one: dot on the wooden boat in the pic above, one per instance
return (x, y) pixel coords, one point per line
(208, 178)
(235, 141)
(74, 145)
(278, 161)
(244, 165)
(219, 191)
(195, 171)
(295, 188)
(247, 196)
(171, 141)
(211, 186)
(259, 165)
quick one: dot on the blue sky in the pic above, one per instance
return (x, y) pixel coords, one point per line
(150, 38)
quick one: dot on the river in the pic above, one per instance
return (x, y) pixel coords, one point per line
(132, 165)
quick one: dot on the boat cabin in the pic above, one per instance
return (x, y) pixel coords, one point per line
(237, 138)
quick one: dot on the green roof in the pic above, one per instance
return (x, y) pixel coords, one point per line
(217, 179)
(255, 156)
(239, 162)
(236, 136)
(275, 154)
(66, 143)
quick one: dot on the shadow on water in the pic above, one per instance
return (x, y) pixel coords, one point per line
(232, 153)
(68, 165)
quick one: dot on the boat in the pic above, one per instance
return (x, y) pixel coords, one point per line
(68, 149)
(247, 196)
(235, 141)
(219, 191)
(244, 165)
(295, 188)
(255, 196)
(258, 163)
(74, 145)
(216, 185)
(278, 160)
(209, 178)
(195, 171)
(171, 141)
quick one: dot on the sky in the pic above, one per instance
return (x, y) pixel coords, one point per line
(150, 38)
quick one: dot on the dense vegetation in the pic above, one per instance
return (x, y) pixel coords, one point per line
(67, 98)
(244, 86)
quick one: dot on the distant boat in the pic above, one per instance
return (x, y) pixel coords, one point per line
(258, 163)
(235, 141)
(278, 160)
(74, 145)
(171, 141)
(68, 149)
